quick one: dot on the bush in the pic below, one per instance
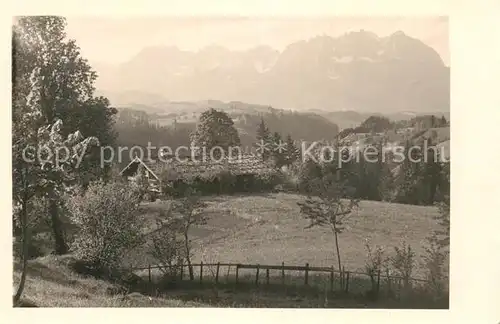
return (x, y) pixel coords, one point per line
(267, 180)
(434, 262)
(374, 263)
(168, 248)
(108, 223)
(291, 177)
(403, 264)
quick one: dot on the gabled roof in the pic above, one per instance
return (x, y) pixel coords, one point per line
(133, 165)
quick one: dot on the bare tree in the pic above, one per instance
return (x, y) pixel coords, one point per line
(190, 213)
(325, 206)
(168, 245)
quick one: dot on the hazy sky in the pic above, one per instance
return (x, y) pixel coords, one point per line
(115, 40)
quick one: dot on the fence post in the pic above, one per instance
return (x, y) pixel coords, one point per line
(149, 272)
(237, 270)
(282, 273)
(201, 271)
(267, 277)
(331, 279)
(217, 273)
(306, 279)
(347, 283)
(257, 276)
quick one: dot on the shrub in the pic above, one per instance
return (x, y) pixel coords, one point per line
(374, 263)
(291, 177)
(108, 223)
(268, 180)
(226, 181)
(403, 264)
(167, 247)
(434, 264)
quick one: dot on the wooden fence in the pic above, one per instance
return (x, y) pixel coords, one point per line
(343, 277)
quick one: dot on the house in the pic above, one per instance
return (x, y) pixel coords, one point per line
(167, 172)
(131, 171)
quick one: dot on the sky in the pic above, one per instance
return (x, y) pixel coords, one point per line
(113, 40)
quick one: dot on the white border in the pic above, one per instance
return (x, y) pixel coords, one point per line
(475, 52)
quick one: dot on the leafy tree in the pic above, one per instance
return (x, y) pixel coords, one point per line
(44, 176)
(325, 207)
(444, 122)
(62, 86)
(215, 129)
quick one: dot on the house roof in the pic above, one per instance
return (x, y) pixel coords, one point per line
(247, 164)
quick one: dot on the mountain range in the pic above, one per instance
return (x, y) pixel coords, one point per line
(358, 71)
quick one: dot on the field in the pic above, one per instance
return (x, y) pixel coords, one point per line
(269, 229)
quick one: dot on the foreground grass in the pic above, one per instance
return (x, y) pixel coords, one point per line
(51, 283)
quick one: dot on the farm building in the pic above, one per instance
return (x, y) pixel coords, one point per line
(165, 174)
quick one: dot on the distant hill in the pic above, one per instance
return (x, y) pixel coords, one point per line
(172, 123)
(358, 71)
(352, 119)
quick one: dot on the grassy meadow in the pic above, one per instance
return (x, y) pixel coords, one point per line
(269, 229)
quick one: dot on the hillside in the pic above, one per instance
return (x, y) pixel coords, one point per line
(269, 229)
(180, 122)
(356, 71)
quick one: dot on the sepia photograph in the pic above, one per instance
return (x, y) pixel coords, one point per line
(231, 162)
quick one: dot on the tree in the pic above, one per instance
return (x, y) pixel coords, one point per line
(370, 174)
(189, 208)
(47, 175)
(215, 129)
(437, 248)
(443, 121)
(292, 153)
(325, 207)
(409, 189)
(278, 150)
(62, 85)
(376, 124)
(168, 246)
(263, 139)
